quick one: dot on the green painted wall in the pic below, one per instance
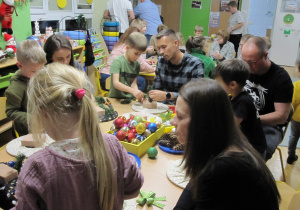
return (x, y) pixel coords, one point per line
(190, 17)
(21, 24)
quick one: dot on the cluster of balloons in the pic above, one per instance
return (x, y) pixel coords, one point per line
(133, 130)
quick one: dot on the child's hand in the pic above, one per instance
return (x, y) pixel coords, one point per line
(139, 95)
(150, 49)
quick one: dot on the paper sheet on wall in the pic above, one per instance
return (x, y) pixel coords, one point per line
(214, 19)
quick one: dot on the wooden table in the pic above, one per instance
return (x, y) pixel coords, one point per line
(154, 170)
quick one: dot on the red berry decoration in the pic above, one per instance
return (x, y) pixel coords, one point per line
(119, 123)
(130, 137)
(121, 135)
(132, 131)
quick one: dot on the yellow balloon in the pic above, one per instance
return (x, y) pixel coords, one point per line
(61, 3)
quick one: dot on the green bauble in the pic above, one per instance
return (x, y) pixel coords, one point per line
(138, 119)
(152, 152)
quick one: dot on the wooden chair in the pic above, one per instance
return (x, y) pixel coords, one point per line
(284, 128)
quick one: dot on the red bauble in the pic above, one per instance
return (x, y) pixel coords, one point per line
(147, 123)
(119, 123)
(130, 137)
(121, 135)
(132, 131)
(123, 118)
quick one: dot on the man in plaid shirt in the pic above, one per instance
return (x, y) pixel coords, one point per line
(174, 69)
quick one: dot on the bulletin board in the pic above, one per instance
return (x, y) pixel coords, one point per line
(224, 17)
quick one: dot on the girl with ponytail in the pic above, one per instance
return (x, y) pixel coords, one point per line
(82, 169)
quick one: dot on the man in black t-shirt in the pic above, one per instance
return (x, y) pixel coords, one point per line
(271, 89)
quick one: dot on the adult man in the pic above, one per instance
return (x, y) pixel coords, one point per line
(235, 25)
(174, 69)
(271, 89)
(148, 11)
(122, 10)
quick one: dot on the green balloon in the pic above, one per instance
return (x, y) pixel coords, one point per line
(152, 152)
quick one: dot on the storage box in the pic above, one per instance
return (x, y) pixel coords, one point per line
(5, 80)
(141, 148)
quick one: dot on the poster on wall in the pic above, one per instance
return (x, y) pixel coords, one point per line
(223, 5)
(214, 19)
(197, 4)
(291, 5)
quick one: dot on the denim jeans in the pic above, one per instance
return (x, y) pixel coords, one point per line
(273, 136)
(141, 82)
(294, 137)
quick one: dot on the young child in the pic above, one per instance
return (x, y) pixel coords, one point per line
(232, 75)
(138, 23)
(198, 30)
(125, 69)
(30, 58)
(82, 169)
(154, 51)
(295, 121)
(242, 42)
(197, 46)
(181, 41)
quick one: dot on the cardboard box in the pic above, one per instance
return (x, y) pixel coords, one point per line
(141, 148)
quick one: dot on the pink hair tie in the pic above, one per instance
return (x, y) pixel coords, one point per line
(79, 93)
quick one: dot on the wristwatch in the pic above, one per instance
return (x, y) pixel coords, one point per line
(168, 96)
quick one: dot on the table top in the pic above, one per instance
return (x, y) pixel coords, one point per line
(154, 170)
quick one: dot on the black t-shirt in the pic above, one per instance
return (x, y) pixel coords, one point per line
(273, 87)
(251, 126)
(232, 183)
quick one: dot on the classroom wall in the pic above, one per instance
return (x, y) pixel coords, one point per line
(190, 17)
(21, 24)
(99, 8)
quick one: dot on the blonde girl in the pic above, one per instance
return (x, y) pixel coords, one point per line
(82, 169)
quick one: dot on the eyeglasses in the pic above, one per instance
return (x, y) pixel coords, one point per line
(252, 63)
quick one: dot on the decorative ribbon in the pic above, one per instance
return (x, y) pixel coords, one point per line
(166, 116)
(79, 93)
(149, 199)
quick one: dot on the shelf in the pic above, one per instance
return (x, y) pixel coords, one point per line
(98, 50)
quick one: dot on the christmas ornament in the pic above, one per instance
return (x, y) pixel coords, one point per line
(135, 141)
(123, 118)
(121, 135)
(152, 152)
(152, 127)
(140, 137)
(132, 123)
(126, 129)
(147, 133)
(140, 128)
(119, 123)
(130, 137)
(138, 119)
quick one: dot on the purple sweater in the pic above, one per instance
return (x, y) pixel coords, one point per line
(51, 181)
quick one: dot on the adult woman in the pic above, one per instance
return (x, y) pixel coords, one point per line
(222, 49)
(225, 171)
(120, 49)
(59, 49)
(196, 46)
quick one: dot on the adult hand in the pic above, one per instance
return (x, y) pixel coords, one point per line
(139, 95)
(157, 95)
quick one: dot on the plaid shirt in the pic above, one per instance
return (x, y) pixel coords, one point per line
(171, 77)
